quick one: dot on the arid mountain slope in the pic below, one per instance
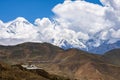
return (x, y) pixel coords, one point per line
(17, 72)
(26, 51)
(113, 57)
(72, 63)
(8, 72)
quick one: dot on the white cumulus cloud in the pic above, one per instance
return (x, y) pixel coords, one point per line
(78, 23)
(90, 21)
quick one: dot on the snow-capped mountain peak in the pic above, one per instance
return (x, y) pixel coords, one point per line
(20, 19)
(21, 30)
(19, 22)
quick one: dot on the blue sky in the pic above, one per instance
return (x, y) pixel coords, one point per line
(29, 9)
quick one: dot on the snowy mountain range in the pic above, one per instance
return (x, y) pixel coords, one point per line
(21, 30)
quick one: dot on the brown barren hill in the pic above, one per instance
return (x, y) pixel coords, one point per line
(71, 63)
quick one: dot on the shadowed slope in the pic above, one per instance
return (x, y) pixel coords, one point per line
(113, 57)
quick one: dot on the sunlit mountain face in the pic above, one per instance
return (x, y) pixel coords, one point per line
(76, 24)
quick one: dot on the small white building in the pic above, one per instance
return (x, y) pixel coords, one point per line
(30, 66)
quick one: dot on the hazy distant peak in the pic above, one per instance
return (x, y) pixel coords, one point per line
(21, 19)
